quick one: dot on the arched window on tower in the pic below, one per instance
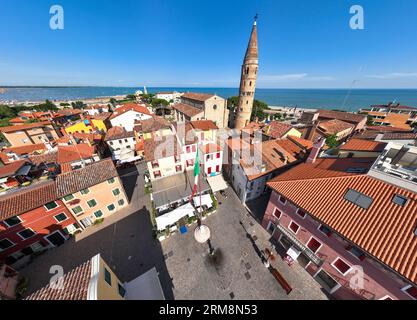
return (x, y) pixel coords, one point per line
(247, 70)
(250, 84)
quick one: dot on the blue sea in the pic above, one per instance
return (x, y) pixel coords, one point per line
(349, 100)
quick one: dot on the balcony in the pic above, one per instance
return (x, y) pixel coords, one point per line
(301, 246)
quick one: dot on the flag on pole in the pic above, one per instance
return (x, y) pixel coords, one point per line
(196, 174)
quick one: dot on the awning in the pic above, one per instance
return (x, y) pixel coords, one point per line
(145, 287)
(205, 200)
(172, 217)
(217, 183)
(131, 159)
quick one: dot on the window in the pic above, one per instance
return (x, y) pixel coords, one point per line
(5, 244)
(188, 149)
(294, 227)
(92, 203)
(111, 207)
(98, 214)
(85, 191)
(217, 168)
(178, 168)
(325, 230)
(209, 170)
(122, 290)
(69, 197)
(110, 181)
(400, 200)
(111, 143)
(314, 245)
(411, 291)
(26, 234)
(13, 221)
(301, 213)
(126, 141)
(157, 174)
(51, 205)
(121, 202)
(358, 199)
(215, 107)
(356, 252)
(116, 192)
(341, 266)
(107, 276)
(277, 214)
(155, 164)
(218, 155)
(177, 158)
(282, 200)
(61, 217)
(77, 210)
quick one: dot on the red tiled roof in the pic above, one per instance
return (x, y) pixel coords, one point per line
(102, 116)
(399, 136)
(343, 116)
(115, 133)
(49, 157)
(363, 145)
(197, 96)
(130, 107)
(186, 133)
(189, 111)
(307, 144)
(76, 152)
(12, 168)
(27, 199)
(385, 230)
(76, 284)
(383, 129)
(151, 125)
(27, 149)
(80, 179)
(204, 125)
(24, 127)
(276, 129)
(334, 126)
(167, 146)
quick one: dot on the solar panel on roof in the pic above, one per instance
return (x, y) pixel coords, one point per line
(358, 199)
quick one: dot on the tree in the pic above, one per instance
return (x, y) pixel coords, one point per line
(7, 112)
(131, 97)
(64, 104)
(258, 110)
(78, 105)
(332, 142)
(370, 121)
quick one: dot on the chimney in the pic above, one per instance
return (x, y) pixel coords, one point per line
(316, 150)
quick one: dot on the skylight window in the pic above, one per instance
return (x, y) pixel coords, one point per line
(400, 200)
(358, 199)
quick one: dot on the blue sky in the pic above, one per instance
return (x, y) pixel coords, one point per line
(201, 43)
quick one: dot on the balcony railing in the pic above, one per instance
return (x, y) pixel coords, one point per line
(303, 248)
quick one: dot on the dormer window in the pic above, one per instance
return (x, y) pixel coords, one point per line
(400, 200)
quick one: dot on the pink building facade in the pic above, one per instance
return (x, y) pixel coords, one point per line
(333, 261)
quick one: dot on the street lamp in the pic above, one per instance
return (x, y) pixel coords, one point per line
(202, 235)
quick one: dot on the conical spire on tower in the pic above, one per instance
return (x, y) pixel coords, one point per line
(252, 50)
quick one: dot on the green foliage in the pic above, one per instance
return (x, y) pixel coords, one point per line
(98, 221)
(159, 102)
(370, 121)
(332, 142)
(147, 97)
(21, 287)
(64, 104)
(258, 108)
(131, 97)
(7, 112)
(78, 105)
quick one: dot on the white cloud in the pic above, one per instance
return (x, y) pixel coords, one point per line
(393, 75)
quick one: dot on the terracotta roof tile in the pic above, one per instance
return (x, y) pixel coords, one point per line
(363, 145)
(158, 148)
(383, 129)
(76, 152)
(26, 199)
(197, 96)
(90, 175)
(28, 149)
(76, 284)
(276, 129)
(151, 125)
(204, 125)
(24, 127)
(187, 110)
(115, 133)
(102, 116)
(399, 136)
(385, 230)
(343, 116)
(334, 126)
(12, 168)
(47, 158)
(130, 107)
